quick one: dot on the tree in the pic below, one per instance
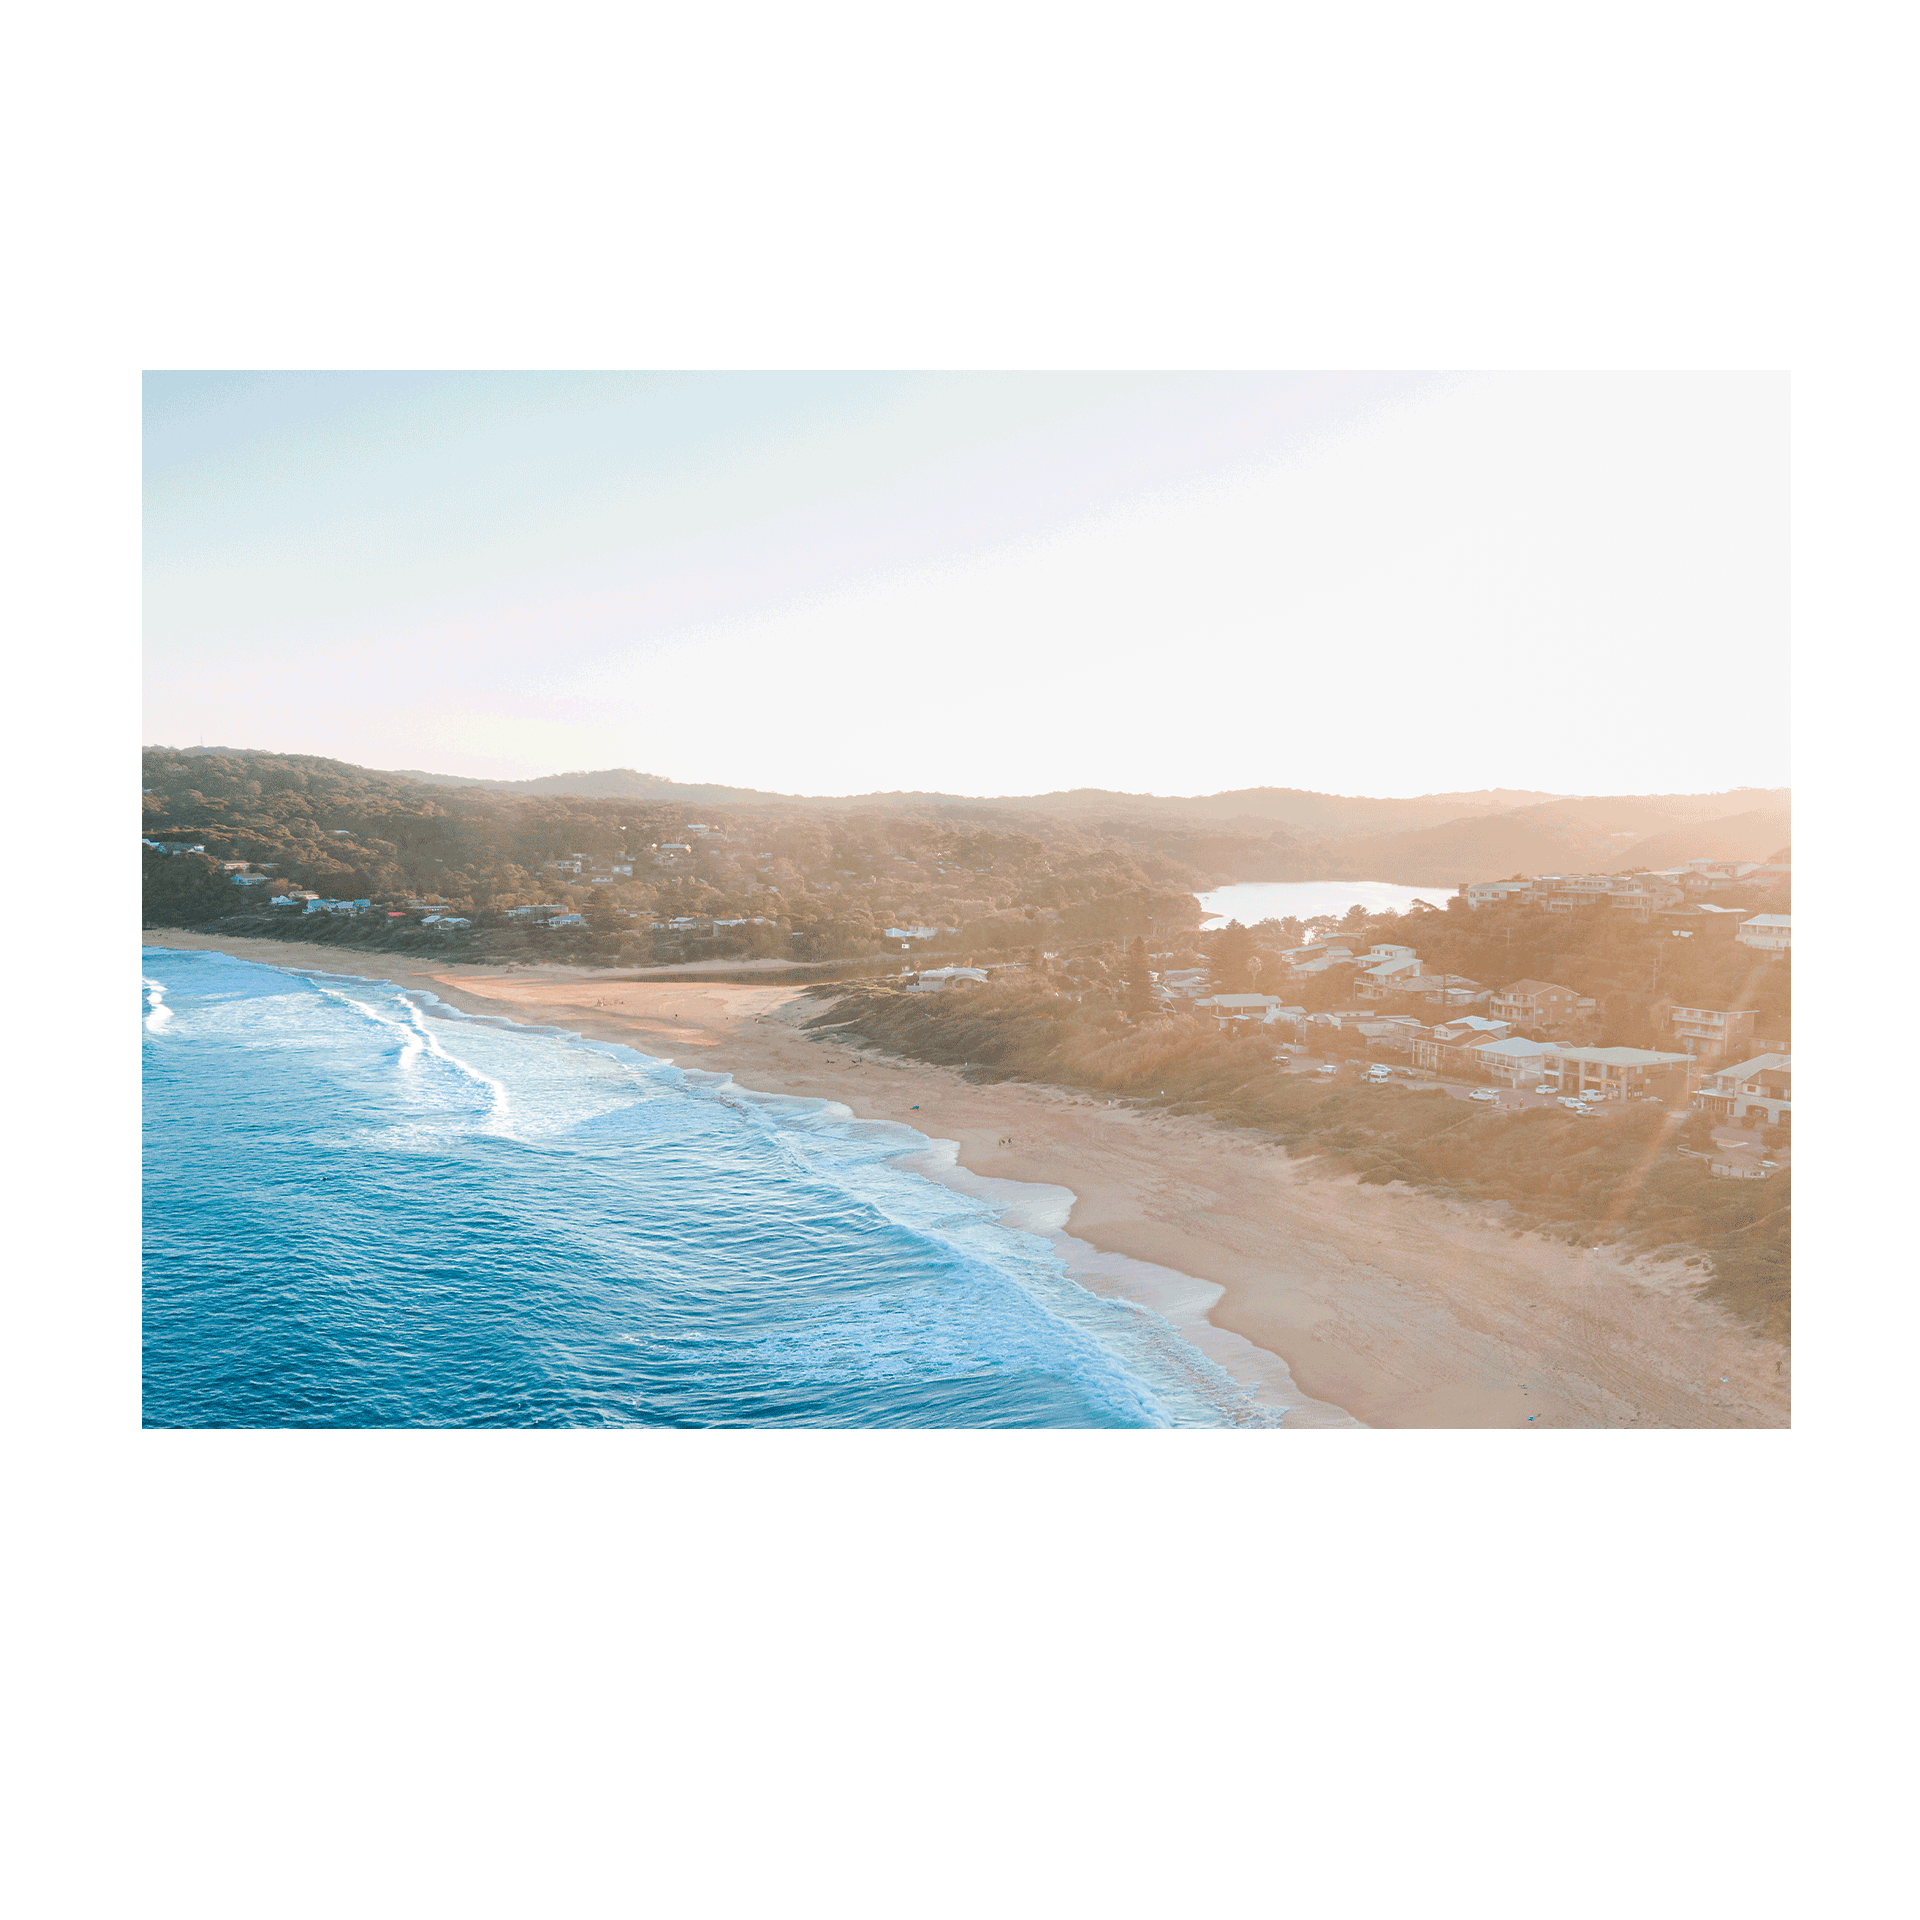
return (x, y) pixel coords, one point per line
(1232, 949)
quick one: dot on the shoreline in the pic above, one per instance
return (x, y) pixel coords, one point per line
(1379, 1306)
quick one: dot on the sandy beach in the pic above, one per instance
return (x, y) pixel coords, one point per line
(1392, 1307)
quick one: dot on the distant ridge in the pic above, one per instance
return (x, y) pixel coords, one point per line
(1288, 806)
(1249, 833)
(1493, 828)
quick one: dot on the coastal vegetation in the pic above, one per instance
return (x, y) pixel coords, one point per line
(1628, 1182)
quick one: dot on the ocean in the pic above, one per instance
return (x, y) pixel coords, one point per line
(363, 1208)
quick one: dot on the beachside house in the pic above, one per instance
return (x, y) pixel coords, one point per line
(1229, 1007)
(938, 979)
(1446, 989)
(1702, 917)
(1396, 1032)
(1490, 893)
(1710, 876)
(1318, 958)
(1393, 972)
(1452, 1047)
(1767, 933)
(1638, 894)
(1756, 1089)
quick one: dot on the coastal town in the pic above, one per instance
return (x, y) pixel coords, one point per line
(1587, 990)
(1599, 1044)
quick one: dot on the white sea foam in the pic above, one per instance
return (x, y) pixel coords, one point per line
(158, 1016)
(416, 1039)
(1148, 1322)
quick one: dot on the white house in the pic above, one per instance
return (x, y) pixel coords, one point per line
(937, 979)
(1766, 932)
(1488, 893)
(1238, 1006)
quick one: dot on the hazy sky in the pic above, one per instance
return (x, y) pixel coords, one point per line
(832, 583)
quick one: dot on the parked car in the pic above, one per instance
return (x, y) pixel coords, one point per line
(1567, 1100)
(1483, 1093)
(1327, 1069)
(1578, 1106)
(1546, 1089)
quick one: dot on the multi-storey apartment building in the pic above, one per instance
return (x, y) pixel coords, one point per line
(1512, 1062)
(1709, 1032)
(1616, 1073)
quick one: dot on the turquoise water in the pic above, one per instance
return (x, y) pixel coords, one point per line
(365, 1209)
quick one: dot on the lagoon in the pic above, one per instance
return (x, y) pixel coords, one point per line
(1252, 901)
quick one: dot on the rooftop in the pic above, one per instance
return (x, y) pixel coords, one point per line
(1760, 1063)
(1620, 1056)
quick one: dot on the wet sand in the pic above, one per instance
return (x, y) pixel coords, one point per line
(1400, 1308)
